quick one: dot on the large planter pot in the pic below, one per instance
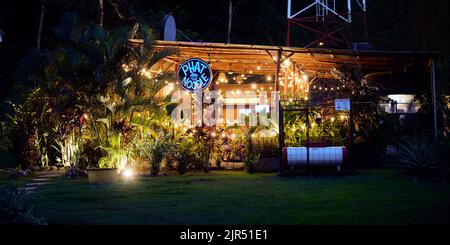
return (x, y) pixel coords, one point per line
(102, 175)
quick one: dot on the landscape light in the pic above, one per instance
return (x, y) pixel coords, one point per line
(128, 173)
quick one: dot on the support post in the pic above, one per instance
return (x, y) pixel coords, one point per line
(283, 165)
(433, 89)
(308, 125)
(277, 74)
(351, 149)
(280, 110)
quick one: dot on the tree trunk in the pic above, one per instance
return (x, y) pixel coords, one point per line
(41, 23)
(100, 13)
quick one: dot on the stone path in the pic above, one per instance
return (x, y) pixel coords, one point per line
(41, 179)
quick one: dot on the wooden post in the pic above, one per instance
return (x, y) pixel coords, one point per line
(293, 79)
(277, 74)
(285, 83)
(280, 110)
(283, 165)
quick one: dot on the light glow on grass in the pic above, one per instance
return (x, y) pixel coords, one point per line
(128, 173)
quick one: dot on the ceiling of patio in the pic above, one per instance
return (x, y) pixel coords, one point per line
(258, 59)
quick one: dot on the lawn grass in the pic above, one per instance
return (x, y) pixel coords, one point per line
(228, 197)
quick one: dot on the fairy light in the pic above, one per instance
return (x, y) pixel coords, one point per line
(305, 77)
(269, 78)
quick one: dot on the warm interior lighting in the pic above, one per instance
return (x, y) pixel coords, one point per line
(222, 77)
(305, 77)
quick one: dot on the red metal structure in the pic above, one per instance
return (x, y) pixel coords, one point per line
(328, 21)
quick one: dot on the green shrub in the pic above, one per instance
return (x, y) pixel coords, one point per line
(12, 210)
(5, 139)
(184, 155)
(265, 146)
(251, 157)
(419, 155)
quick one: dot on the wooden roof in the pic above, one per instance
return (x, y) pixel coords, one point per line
(260, 59)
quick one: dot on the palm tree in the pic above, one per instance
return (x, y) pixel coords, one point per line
(106, 80)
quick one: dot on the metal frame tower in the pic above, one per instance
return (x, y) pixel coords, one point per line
(329, 19)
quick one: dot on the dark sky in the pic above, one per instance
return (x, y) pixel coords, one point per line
(391, 23)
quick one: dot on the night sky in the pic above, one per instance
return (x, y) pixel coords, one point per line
(399, 25)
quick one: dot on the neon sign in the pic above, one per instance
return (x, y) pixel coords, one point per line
(194, 75)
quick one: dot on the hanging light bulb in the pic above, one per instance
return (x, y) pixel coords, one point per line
(305, 77)
(222, 77)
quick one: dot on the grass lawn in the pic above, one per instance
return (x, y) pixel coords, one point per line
(370, 197)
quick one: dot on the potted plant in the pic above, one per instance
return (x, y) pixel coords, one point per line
(107, 171)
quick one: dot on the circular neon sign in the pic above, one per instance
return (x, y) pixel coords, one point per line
(194, 75)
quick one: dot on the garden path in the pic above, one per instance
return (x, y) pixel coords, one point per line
(42, 178)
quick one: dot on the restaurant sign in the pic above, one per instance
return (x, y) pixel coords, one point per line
(194, 75)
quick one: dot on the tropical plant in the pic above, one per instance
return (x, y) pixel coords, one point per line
(158, 150)
(184, 155)
(265, 146)
(250, 157)
(207, 143)
(12, 209)
(419, 155)
(5, 139)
